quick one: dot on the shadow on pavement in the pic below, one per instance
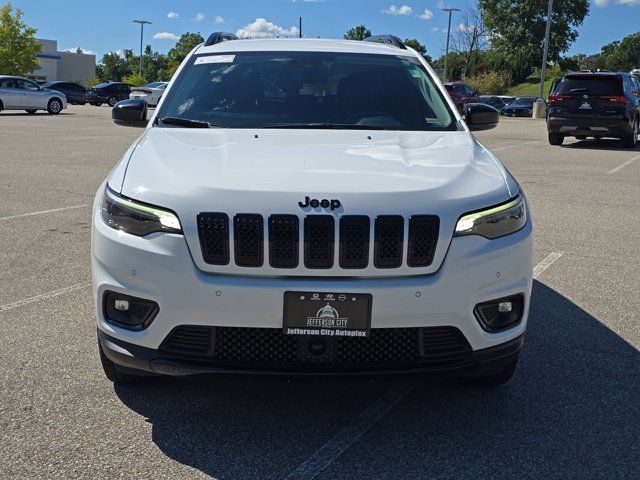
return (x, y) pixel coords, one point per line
(603, 144)
(571, 411)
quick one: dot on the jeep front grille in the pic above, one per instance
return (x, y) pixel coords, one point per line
(392, 247)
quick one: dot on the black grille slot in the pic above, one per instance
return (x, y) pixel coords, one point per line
(213, 229)
(319, 234)
(389, 238)
(189, 340)
(248, 232)
(439, 342)
(354, 241)
(384, 346)
(423, 237)
(283, 241)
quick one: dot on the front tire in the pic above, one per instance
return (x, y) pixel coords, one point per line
(631, 141)
(31, 111)
(116, 375)
(493, 378)
(54, 107)
(556, 139)
(112, 101)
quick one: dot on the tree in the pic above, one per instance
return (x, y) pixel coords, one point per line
(517, 28)
(418, 47)
(135, 79)
(112, 67)
(18, 46)
(470, 38)
(623, 54)
(357, 33)
(183, 46)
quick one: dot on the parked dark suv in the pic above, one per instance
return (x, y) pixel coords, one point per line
(76, 94)
(595, 105)
(461, 93)
(110, 93)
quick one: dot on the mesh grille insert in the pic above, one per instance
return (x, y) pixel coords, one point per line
(423, 237)
(213, 229)
(354, 241)
(389, 239)
(249, 240)
(283, 241)
(319, 234)
(189, 340)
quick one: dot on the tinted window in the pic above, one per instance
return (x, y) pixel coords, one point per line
(102, 85)
(590, 84)
(7, 83)
(255, 89)
(26, 85)
(523, 101)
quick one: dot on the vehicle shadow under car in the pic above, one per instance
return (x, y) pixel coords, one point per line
(571, 411)
(592, 144)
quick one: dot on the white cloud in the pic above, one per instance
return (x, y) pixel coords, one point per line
(440, 4)
(165, 36)
(199, 17)
(601, 3)
(218, 19)
(261, 28)
(393, 10)
(84, 50)
(461, 27)
(606, 3)
(427, 15)
(172, 15)
(629, 2)
(435, 29)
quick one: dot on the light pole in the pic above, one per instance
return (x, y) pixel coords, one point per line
(142, 24)
(546, 48)
(446, 53)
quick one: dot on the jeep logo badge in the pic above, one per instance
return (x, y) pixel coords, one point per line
(324, 203)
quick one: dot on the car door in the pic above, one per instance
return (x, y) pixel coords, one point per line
(31, 96)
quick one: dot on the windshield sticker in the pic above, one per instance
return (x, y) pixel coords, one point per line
(215, 59)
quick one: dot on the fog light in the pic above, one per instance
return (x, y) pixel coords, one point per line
(128, 312)
(123, 305)
(501, 313)
(503, 307)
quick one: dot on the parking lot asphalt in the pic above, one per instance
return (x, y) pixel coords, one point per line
(571, 411)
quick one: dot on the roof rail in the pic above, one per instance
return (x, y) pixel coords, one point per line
(219, 37)
(387, 40)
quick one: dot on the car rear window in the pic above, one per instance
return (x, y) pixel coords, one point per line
(591, 85)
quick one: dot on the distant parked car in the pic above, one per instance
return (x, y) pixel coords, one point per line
(152, 92)
(76, 94)
(636, 73)
(595, 105)
(506, 98)
(109, 93)
(17, 93)
(461, 93)
(520, 107)
(496, 102)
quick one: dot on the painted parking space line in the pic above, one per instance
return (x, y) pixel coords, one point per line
(546, 263)
(43, 296)
(43, 212)
(513, 146)
(336, 446)
(622, 165)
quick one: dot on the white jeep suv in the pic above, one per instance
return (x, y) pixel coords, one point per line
(304, 206)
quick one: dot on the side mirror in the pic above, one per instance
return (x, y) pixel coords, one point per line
(130, 113)
(481, 117)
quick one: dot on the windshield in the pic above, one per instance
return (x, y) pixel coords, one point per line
(522, 102)
(312, 89)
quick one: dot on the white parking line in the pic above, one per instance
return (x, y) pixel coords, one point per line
(42, 212)
(622, 165)
(330, 451)
(43, 296)
(546, 263)
(513, 146)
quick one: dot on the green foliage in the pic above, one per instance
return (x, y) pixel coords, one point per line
(418, 47)
(92, 82)
(135, 79)
(517, 29)
(490, 83)
(18, 45)
(622, 55)
(112, 67)
(177, 54)
(357, 33)
(455, 65)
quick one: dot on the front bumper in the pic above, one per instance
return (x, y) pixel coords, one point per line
(93, 98)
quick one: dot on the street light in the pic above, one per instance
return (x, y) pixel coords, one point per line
(142, 24)
(446, 53)
(546, 48)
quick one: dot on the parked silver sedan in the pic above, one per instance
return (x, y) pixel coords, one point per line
(17, 93)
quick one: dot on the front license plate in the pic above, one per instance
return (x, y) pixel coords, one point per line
(327, 314)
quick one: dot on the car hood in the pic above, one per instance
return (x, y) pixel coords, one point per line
(270, 171)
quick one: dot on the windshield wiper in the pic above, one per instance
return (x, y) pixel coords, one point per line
(581, 89)
(186, 122)
(327, 126)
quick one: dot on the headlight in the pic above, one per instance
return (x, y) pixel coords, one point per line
(494, 222)
(136, 218)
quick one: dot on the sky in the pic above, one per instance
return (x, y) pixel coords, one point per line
(101, 26)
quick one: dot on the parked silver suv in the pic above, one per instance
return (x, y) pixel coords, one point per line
(18, 93)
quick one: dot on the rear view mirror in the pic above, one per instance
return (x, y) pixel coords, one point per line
(481, 117)
(130, 113)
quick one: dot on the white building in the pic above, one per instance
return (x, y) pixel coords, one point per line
(63, 66)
